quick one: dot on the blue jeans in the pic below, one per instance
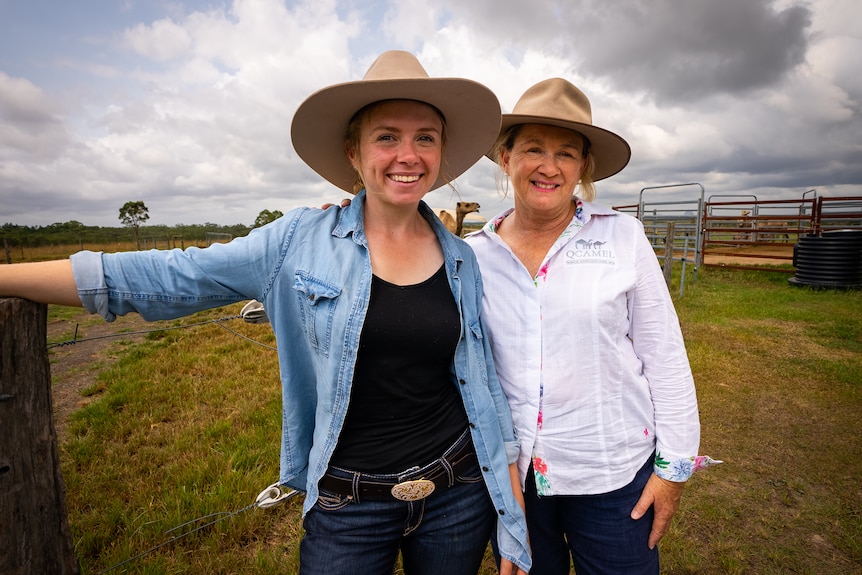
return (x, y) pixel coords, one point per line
(447, 532)
(596, 530)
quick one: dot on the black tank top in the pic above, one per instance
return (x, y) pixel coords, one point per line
(405, 408)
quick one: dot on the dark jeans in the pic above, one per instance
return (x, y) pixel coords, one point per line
(597, 530)
(446, 532)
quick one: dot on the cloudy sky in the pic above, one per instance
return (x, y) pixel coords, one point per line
(186, 104)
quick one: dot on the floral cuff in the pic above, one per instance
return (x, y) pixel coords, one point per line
(683, 468)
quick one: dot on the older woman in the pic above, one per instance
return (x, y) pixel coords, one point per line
(394, 422)
(587, 346)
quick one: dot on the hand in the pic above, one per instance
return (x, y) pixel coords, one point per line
(509, 568)
(664, 496)
(344, 203)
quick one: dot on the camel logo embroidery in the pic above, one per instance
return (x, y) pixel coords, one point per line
(589, 251)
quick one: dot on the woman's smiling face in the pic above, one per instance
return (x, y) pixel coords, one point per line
(544, 164)
(398, 150)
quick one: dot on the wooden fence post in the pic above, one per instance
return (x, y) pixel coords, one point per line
(34, 531)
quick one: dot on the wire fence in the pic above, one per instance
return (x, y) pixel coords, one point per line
(218, 321)
(269, 497)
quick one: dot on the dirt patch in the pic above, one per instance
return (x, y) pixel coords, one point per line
(748, 255)
(75, 366)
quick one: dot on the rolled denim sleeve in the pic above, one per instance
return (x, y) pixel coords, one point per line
(90, 279)
(513, 449)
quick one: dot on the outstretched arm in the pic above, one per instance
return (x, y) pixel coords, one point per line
(42, 282)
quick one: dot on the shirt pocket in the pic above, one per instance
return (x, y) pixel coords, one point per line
(317, 301)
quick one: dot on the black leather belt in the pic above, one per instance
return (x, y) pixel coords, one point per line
(410, 485)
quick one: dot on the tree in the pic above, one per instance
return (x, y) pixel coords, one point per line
(266, 217)
(132, 215)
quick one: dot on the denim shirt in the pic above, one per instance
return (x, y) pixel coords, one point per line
(311, 269)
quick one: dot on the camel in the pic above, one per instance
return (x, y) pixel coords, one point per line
(763, 229)
(745, 223)
(456, 224)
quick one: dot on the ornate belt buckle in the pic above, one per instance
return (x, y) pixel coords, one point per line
(413, 490)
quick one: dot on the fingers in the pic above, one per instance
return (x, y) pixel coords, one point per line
(508, 568)
(660, 527)
(344, 203)
(643, 504)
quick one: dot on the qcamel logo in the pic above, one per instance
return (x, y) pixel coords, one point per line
(589, 244)
(590, 251)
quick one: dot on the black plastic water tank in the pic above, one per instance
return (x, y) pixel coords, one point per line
(831, 260)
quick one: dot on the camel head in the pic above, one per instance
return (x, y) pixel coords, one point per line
(466, 207)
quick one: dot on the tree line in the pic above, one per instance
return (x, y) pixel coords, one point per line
(132, 216)
(74, 232)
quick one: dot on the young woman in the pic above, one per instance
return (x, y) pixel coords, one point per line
(394, 422)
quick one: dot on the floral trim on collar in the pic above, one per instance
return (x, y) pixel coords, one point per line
(579, 215)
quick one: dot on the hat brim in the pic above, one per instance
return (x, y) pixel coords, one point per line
(471, 111)
(612, 152)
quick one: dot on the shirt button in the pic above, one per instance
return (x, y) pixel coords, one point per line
(311, 297)
(462, 382)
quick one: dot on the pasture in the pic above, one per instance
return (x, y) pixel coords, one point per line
(181, 424)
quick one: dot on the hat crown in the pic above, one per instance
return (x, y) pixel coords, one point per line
(555, 98)
(395, 65)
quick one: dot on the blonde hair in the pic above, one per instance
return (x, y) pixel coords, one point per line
(506, 141)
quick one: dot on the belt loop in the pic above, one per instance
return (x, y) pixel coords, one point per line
(450, 473)
(453, 452)
(354, 486)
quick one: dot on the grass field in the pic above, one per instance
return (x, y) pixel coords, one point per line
(186, 424)
(53, 252)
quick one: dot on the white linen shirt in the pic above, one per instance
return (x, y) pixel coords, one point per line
(590, 355)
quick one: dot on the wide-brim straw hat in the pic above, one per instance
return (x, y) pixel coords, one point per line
(557, 102)
(471, 112)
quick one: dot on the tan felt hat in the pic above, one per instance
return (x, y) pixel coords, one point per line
(557, 102)
(471, 111)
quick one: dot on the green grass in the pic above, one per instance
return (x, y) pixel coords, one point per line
(59, 313)
(779, 378)
(187, 424)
